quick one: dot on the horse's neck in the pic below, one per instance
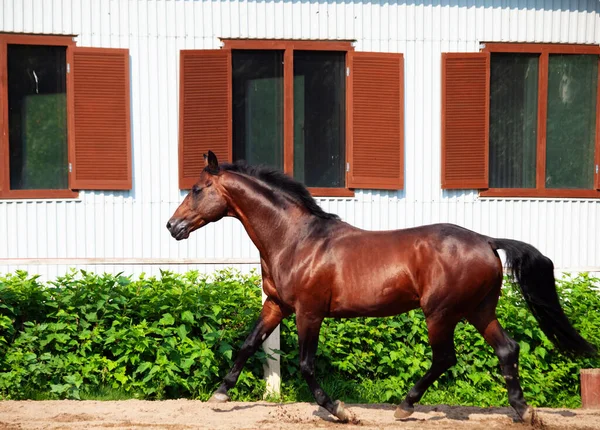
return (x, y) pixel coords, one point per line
(269, 225)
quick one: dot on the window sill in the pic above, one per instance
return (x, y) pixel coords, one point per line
(331, 192)
(537, 193)
(38, 194)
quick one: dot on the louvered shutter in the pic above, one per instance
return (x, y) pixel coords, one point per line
(205, 111)
(100, 153)
(465, 120)
(376, 150)
(4, 173)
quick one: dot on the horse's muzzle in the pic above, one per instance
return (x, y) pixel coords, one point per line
(179, 229)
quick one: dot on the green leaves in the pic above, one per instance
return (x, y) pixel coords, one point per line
(167, 319)
(187, 316)
(226, 350)
(173, 336)
(177, 336)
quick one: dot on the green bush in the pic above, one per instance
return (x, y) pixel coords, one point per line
(98, 336)
(150, 338)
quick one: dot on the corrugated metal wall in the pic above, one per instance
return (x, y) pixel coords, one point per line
(128, 228)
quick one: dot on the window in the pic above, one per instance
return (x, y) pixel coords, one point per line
(37, 117)
(258, 107)
(63, 117)
(328, 116)
(571, 121)
(538, 134)
(513, 120)
(319, 118)
(319, 101)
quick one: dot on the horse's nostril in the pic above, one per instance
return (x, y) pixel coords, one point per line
(169, 225)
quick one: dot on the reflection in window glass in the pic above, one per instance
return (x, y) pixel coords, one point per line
(513, 120)
(571, 121)
(258, 107)
(37, 117)
(319, 118)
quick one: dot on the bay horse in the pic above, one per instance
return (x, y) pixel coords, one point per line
(317, 266)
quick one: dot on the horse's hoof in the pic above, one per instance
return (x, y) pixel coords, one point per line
(342, 414)
(530, 416)
(402, 413)
(219, 398)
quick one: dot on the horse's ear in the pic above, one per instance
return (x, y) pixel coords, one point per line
(211, 162)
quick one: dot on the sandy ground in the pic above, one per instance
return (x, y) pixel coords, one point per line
(187, 414)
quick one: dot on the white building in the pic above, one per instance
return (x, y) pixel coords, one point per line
(503, 140)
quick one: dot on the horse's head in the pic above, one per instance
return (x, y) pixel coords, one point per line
(203, 204)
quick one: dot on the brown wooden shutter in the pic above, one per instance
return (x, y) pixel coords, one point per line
(376, 121)
(100, 136)
(465, 120)
(204, 111)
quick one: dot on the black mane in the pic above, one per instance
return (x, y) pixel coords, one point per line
(277, 179)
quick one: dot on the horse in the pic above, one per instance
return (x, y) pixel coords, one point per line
(317, 266)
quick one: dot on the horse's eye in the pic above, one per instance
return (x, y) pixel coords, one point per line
(196, 189)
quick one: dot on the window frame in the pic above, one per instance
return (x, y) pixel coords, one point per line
(43, 40)
(545, 50)
(288, 47)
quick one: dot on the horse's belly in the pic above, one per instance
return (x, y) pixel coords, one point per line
(388, 297)
(374, 311)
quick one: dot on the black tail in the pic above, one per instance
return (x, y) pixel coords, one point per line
(535, 275)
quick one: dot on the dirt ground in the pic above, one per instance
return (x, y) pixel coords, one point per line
(187, 414)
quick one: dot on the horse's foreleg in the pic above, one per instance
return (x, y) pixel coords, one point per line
(269, 319)
(308, 337)
(441, 339)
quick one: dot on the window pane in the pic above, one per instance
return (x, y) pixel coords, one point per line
(258, 107)
(319, 118)
(37, 117)
(513, 120)
(571, 123)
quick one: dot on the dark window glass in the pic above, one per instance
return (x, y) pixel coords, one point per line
(513, 120)
(571, 121)
(37, 117)
(258, 107)
(319, 118)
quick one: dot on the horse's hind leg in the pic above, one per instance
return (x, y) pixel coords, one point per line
(441, 339)
(507, 351)
(270, 317)
(308, 337)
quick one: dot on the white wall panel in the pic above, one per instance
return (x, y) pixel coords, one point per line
(131, 225)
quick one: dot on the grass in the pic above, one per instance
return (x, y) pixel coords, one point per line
(107, 393)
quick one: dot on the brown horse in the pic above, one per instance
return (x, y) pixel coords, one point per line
(317, 266)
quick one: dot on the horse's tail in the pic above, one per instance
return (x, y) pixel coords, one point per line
(534, 273)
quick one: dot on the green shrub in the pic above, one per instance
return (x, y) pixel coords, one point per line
(152, 338)
(106, 336)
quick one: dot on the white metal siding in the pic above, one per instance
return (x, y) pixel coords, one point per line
(130, 225)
